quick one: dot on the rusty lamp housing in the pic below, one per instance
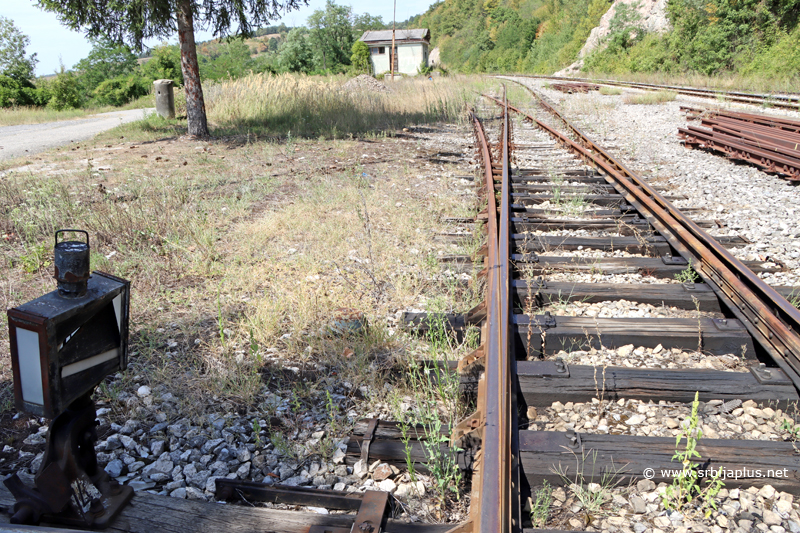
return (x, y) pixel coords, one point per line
(63, 344)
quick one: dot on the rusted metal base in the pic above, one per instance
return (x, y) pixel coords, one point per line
(70, 488)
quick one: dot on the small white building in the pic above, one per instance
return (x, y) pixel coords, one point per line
(411, 50)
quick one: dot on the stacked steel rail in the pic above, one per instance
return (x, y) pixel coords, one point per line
(787, 101)
(570, 88)
(772, 143)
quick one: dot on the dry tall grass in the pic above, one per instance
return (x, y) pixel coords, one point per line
(649, 98)
(313, 106)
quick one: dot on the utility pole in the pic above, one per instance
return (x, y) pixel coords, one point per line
(391, 57)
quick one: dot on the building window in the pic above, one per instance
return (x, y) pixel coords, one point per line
(377, 50)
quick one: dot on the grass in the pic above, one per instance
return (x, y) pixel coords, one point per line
(540, 505)
(240, 250)
(609, 91)
(650, 98)
(15, 116)
(583, 484)
(312, 107)
(433, 407)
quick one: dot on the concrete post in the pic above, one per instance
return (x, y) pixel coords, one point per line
(165, 99)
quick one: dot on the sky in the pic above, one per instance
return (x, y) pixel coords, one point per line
(54, 43)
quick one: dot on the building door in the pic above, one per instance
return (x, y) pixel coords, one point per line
(394, 59)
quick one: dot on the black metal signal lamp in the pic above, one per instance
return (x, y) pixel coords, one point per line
(63, 344)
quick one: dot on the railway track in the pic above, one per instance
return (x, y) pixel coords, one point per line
(520, 373)
(785, 101)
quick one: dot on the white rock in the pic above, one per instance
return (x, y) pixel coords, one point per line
(387, 485)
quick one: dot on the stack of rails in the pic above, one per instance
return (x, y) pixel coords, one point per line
(570, 88)
(770, 142)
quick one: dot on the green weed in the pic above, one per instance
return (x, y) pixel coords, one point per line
(687, 487)
(688, 274)
(540, 505)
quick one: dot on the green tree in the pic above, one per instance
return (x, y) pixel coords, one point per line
(331, 33)
(232, 59)
(294, 54)
(367, 22)
(66, 91)
(14, 92)
(13, 61)
(106, 60)
(360, 58)
(133, 21)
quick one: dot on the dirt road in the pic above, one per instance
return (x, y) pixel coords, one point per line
(16, 141)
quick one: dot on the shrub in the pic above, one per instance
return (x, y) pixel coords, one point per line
(14, 92)
(66, 91)
(121, 90)
(164, 65)
(359, 61)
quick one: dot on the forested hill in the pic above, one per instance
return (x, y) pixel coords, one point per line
(543, 36)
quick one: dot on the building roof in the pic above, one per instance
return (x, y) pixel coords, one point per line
(400, 35)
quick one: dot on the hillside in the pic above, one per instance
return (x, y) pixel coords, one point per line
(543, 36)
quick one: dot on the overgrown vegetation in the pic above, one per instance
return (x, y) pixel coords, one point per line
(711, 38)
(755, 39)
(687, 275)
(510, 36)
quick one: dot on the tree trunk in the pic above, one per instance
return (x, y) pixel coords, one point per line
(195, 105)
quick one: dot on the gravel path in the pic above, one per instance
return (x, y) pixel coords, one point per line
(16, 141)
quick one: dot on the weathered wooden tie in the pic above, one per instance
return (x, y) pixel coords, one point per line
(717, 336)
(624, 459)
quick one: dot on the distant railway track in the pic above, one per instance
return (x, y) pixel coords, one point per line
(785, 101)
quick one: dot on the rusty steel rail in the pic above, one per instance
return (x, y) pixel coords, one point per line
(772, 321)
(786, 101)
(495, 506)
